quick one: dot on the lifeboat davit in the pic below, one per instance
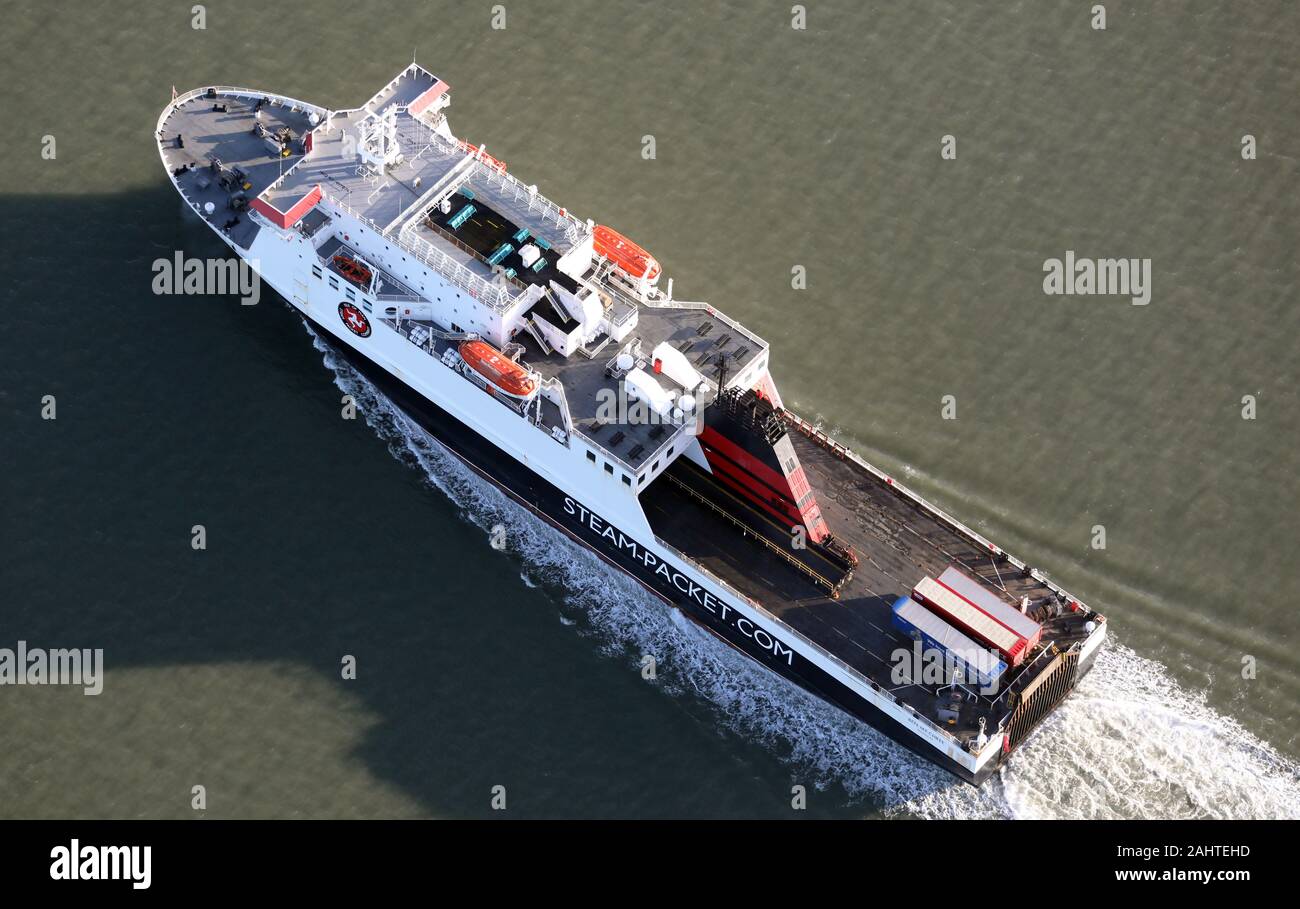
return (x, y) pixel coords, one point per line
(632, 259)
(353, 270)
(487, 159)
(501, 372)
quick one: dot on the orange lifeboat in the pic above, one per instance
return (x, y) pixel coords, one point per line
(631, 258)
(471, 149)
(353, 270)
(500, 371)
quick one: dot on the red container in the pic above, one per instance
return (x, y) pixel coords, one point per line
(975, 621)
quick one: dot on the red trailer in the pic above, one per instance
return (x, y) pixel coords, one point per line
(986, 618)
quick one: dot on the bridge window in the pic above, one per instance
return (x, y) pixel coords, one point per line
(591, 457)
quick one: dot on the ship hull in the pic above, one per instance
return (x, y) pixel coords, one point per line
(588, 528)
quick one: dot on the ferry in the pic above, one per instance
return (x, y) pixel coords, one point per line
(544, 351)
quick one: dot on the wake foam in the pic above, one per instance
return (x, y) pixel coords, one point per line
(1128, 743)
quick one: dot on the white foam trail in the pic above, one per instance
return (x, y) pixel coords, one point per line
(1128, 743)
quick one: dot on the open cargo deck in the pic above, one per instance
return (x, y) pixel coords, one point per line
(897, 542)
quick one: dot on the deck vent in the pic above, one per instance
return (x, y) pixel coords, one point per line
(636, 452)
(617, 437)
(704, 329)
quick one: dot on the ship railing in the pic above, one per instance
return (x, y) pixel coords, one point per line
(404, 326)
(479, 288)
(656, 299)
(431, 334)
(509, 186)
(232, 91)
(845, 453)
(470, 251)
(342, 206)
(627, 306)
(810, 644)
(235, 91)
(419, 132)
(627, 314)
(561, 401)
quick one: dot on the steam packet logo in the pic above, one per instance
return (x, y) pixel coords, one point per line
(355, 320)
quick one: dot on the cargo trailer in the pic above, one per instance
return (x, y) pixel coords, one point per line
(970, 619)
(975, 593)
(976, 663)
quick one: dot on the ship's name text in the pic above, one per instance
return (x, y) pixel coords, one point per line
(669, 577)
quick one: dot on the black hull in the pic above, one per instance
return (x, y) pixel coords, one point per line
(585, 526)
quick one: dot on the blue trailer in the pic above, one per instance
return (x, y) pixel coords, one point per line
(978, 664)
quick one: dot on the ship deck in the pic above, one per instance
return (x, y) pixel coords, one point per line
(701, 336)
(897, 543)
(209, 134)
(487, 230)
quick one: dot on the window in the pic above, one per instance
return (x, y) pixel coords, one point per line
(627, 481)
(609, 469)
(315, 270)
(654, 466)
(591, 457)
(334, 283)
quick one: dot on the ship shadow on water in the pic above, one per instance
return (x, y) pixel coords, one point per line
(183, 411)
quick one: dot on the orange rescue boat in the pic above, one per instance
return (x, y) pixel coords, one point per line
(353, 270)
(632, 259)
(500, 371)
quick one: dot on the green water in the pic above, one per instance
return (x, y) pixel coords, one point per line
(775, 148)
